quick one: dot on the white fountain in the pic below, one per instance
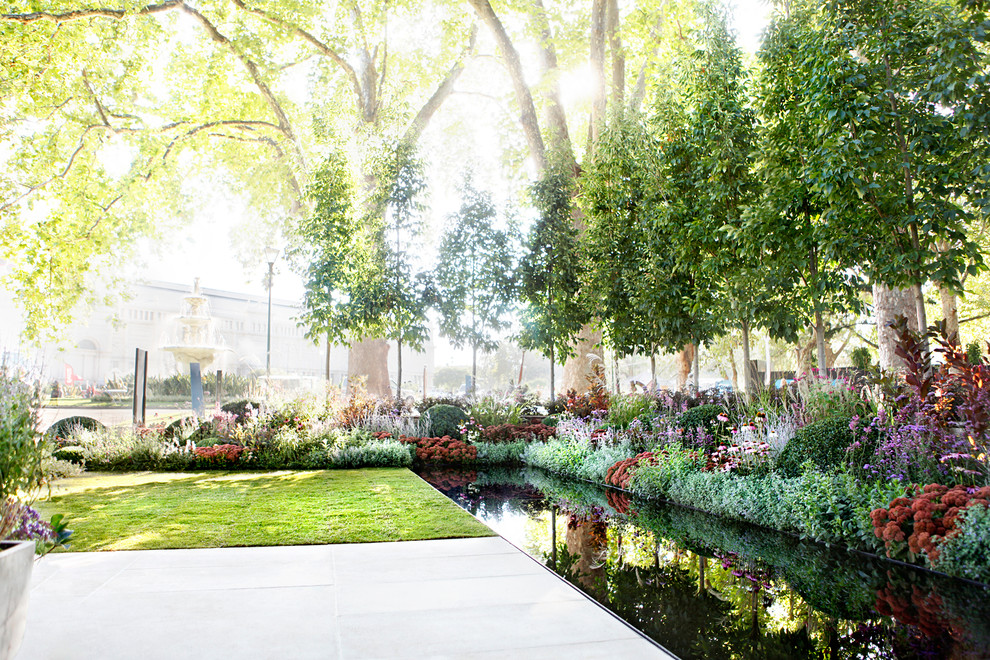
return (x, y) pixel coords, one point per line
(193, 336)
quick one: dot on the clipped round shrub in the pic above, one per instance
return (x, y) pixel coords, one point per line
(240, 408)
(63, 428)
(71, 454)
(824, 443)
(550, 420)
(705, 416)
(446, 420)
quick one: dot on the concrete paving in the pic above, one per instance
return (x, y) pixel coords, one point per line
(458, 598)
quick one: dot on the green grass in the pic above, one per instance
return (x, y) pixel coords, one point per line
(144, 510)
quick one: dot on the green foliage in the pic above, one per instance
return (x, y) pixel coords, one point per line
(967, 553)
(446, 420)
(493, 411)
(704, 416)
(66, 427)
(550, 271)
(861, 358)
(501, 453)
(474, 277)
(823, 443)
(624, 409)
(71, 454)
(22, 448)
(884, 88)
(325, 252)
(178, 385)
(974, 352)
(559, 455)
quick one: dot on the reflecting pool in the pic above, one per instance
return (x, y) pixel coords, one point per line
(704, 587)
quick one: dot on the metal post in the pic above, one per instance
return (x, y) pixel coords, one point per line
(268, 351)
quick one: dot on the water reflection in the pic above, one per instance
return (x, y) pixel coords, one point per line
(708, 588)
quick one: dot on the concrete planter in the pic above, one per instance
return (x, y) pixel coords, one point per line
(16, 561)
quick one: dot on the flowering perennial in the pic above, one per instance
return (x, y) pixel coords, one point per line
(923, 517)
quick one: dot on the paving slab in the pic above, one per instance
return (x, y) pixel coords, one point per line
(458, 598)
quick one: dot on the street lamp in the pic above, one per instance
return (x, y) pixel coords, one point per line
(271, 254)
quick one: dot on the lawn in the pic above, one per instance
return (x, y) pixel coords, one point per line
(144, 510)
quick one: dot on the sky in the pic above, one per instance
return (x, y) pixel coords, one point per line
(192, 250)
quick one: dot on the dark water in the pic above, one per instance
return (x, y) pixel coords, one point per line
(708, 588)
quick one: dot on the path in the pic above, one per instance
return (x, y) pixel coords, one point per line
(458, 598)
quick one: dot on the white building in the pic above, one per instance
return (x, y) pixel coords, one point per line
(102, 341)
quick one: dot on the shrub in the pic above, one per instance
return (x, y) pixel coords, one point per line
(974, 353)
(241, 409)
(502, 453)
(917, 522)
(22, 449)
(514, 432)
(444, 449)
(704, 416)
(63, 429)
(625, 409)
(218, 456)
(824, 443)
(492, 411)
(451, 400)
(621, 472)
(550, 420)
(861, 358)
(72, 454)
(377, 453)
(966, 552)
(446, 420)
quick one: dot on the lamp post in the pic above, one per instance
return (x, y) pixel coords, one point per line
(271, 254)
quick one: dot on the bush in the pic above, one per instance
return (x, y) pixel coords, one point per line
(514, 432)
(502, 453)
(974, 353)
(63, 429)
(446, 420)
(21, 448)
(966, 553)
(625, 409)
(72, 454)
(430, 401)
(491, 411)
(824, 443)
(444, 449)
(240, 409)
(551, 420)
(704, 417)
(861, 358)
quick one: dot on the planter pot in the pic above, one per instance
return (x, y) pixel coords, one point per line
(16, 561)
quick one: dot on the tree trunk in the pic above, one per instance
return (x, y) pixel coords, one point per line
(368, 359)
(597, 61)
(553, 394)
(474, 372)
(820, 341)
(398, 381)
(889, 304)
(697, 368)
(328, 358)
(587, 346)
(653, 369)
(950, 312)
(684, 360)
(747, 364)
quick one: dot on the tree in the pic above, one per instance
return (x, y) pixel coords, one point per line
(550, 273)
(788, 230)
(389, 299)
(324, 252)
(887, 86)
(622, 41)
(474, 276)
(105, 118)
